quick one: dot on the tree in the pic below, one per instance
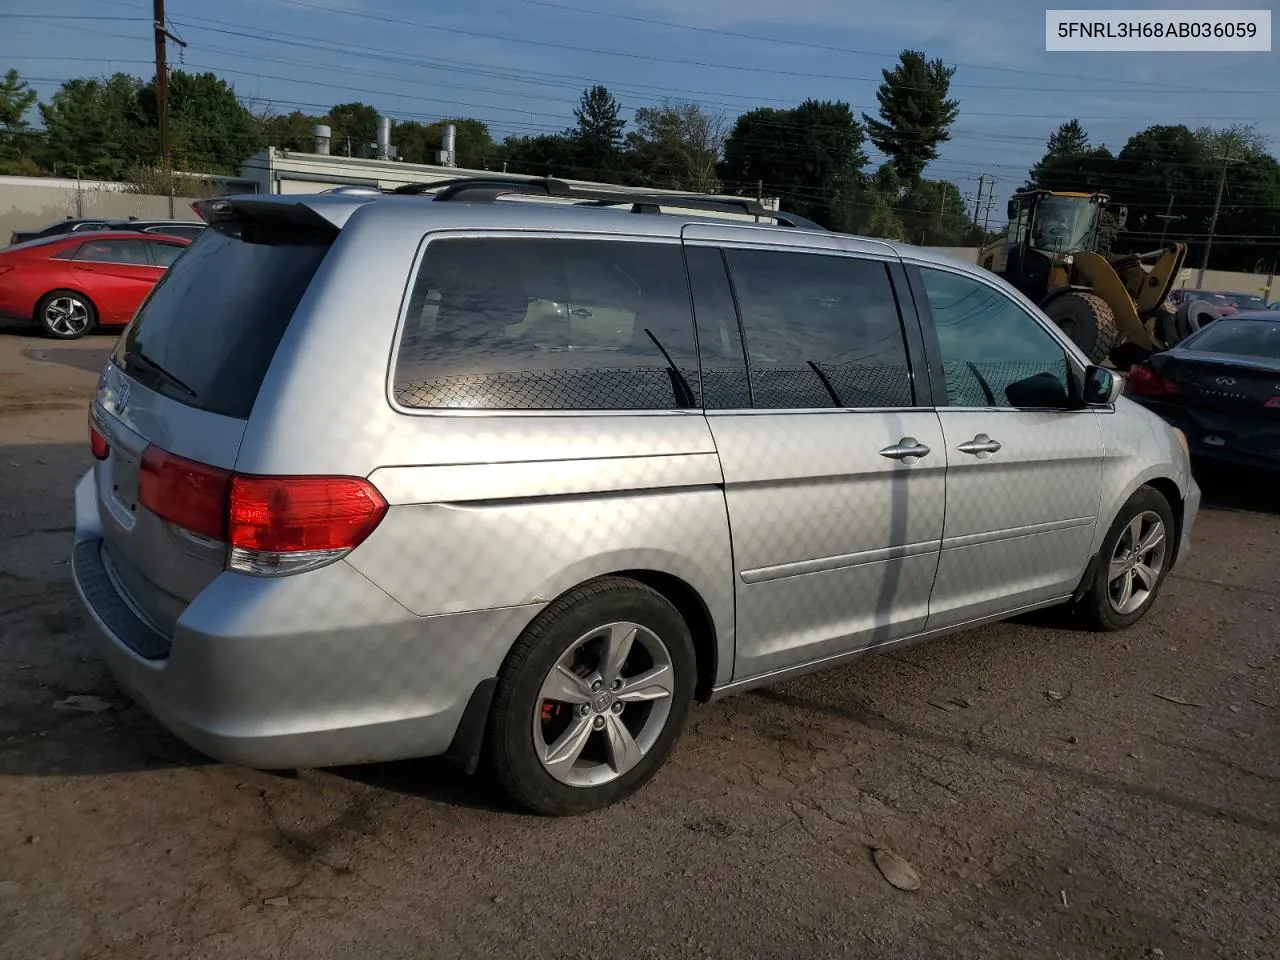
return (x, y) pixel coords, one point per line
(16, 100)
(598, 136)
(915, 113)
(676, 146)
(290, 131)
(1070, 163)
(810, 156)
(545, 155)
(209, 129)
(354, 127)
(473, 144)
(98, 127)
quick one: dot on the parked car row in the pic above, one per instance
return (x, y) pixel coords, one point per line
(70, 283)
(1223, 302)
(190, 229)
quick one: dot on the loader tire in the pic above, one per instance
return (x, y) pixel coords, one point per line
(1088, 321)
(1193, 315)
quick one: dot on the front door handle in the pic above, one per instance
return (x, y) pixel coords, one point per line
(908, 450)
(980, 446)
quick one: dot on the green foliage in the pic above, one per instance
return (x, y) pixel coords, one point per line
(98, 127)
(676, 146)
(354, 128)
(544, 155)
(290, 131)
(209, 130)
(1171, 169)
(16, 100)
(474, 148)
(915, 112)
(597, 139)
(810, 156)
(1070, 163)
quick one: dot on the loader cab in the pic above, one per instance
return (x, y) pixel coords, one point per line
(1045, 229)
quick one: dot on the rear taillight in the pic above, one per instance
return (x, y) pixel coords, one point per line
(1273, 403)
(187, 494)
(296, 514)
(272, 525)
(98, 445)
(1147, 383)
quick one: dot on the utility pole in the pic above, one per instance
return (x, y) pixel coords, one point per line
(1213, 221)
(991, 199)
(1168, 218)
(162, 82)
(978, 206)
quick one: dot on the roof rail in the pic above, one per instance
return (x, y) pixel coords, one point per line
(488, 189)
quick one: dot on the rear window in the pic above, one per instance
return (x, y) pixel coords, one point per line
(548, 324)
(1255, 339)
(208, 331)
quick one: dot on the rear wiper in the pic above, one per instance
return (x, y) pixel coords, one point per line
(147, 363)
(684, 393)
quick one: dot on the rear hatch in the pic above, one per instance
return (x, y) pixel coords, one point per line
(175, 398)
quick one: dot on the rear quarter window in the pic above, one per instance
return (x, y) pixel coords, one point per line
(548, 324)
(213, 322)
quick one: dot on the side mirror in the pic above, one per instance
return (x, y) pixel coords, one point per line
(1102, 386)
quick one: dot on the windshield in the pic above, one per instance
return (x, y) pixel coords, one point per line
(1254, 339)
(1246, 302)
(1064, 224)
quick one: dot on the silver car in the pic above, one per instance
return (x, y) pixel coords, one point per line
(518, 481)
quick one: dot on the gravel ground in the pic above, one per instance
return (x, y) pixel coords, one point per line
(1059, 793)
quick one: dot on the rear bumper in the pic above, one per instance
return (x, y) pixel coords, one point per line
(1242, 444)
(321, 669)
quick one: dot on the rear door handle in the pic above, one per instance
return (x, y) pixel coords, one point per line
(980, 446)
(908, 450)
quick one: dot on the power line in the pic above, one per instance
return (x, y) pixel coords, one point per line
(875, 53)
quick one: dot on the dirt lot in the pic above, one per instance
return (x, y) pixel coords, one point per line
(1053, 804)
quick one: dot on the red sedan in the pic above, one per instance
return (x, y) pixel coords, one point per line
(72, 283)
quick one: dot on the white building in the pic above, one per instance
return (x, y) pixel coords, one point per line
(292, 171)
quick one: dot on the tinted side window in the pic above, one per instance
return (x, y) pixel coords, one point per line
(114, 251)
(822, 330)
(994, 354)
(516, 324)
(165, 253)
(725, 385)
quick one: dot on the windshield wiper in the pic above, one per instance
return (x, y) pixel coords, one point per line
(147, 363)
(684, 392)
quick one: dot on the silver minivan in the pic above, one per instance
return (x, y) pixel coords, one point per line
(515, 474)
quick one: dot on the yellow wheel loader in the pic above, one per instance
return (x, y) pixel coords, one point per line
(1113, 308)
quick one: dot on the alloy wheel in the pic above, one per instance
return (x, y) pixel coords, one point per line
(1136, 563)
(603, 704)
(67, 316)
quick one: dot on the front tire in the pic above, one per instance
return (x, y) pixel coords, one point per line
(1132, 564)
(66, 315)
(1088, 320)
(592, 698)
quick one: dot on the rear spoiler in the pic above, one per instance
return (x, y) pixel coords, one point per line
(259, 213)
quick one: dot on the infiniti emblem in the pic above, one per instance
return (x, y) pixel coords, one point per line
(1226, 382)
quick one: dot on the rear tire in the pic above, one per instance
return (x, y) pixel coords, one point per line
(66, 315)
(571, 728)
(1132, 563)
(1088, 320)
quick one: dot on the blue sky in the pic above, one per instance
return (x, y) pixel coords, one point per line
(520, 65)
